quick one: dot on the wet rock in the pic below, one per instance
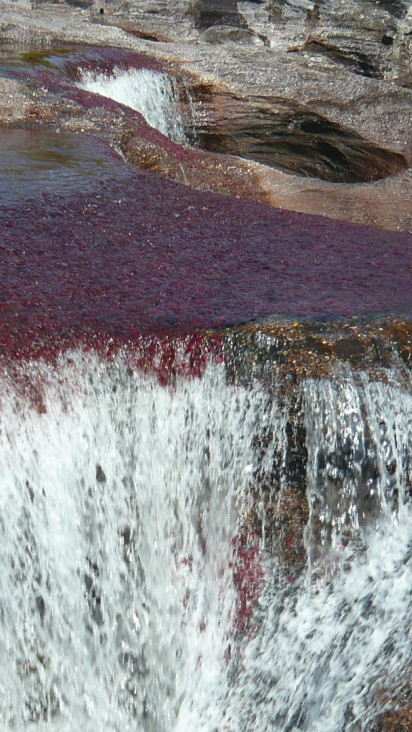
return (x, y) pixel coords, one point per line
(274, 132)
(16, 100)
(248, 576)
(383, 204)
(194, 168)
(150, 156)
(402, 338)
(345, 466)
(92, 593)
(303, 350)
(136, 665)
(213, 242)
(30, 491)
(376, 110)
(41, 607)
(396, 720)
(277, 508)
(100, 474)
(351, 350)
(278, 519)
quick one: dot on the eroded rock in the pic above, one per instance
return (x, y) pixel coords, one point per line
(218, 34)
(326, 78)
(290, 137)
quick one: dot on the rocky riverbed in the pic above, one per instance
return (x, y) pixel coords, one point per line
(302, 106)
(328, 85)
(271, 234)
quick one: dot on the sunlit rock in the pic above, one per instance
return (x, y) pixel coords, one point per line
(206, 401)
(219, 34)
(318, 57)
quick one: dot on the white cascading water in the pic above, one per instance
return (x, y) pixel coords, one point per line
(117, 510)
(119, 502)
(152, 93)
(333, 647)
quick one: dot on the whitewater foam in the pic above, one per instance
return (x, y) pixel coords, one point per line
(152, 93)
(117, 510)
(120, 506)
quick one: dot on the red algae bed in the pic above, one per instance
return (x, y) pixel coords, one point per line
(91, 246)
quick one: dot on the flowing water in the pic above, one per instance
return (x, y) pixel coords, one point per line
(118, 507)
(153, 575)
(152, 93)
(121, 506)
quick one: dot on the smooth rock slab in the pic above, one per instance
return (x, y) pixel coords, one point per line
(92, 246)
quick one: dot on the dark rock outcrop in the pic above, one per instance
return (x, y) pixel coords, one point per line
(290, 137)
(206, 13)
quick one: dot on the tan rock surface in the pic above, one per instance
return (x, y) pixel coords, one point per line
(376, 108)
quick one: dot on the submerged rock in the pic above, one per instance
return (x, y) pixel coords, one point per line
(396, 720)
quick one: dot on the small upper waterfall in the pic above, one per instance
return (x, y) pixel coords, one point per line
(152, 93)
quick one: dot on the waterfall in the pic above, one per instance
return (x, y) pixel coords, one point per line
(333, 643)
(143, 585)
(118, 507)
(152, 93)
(331, 652)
